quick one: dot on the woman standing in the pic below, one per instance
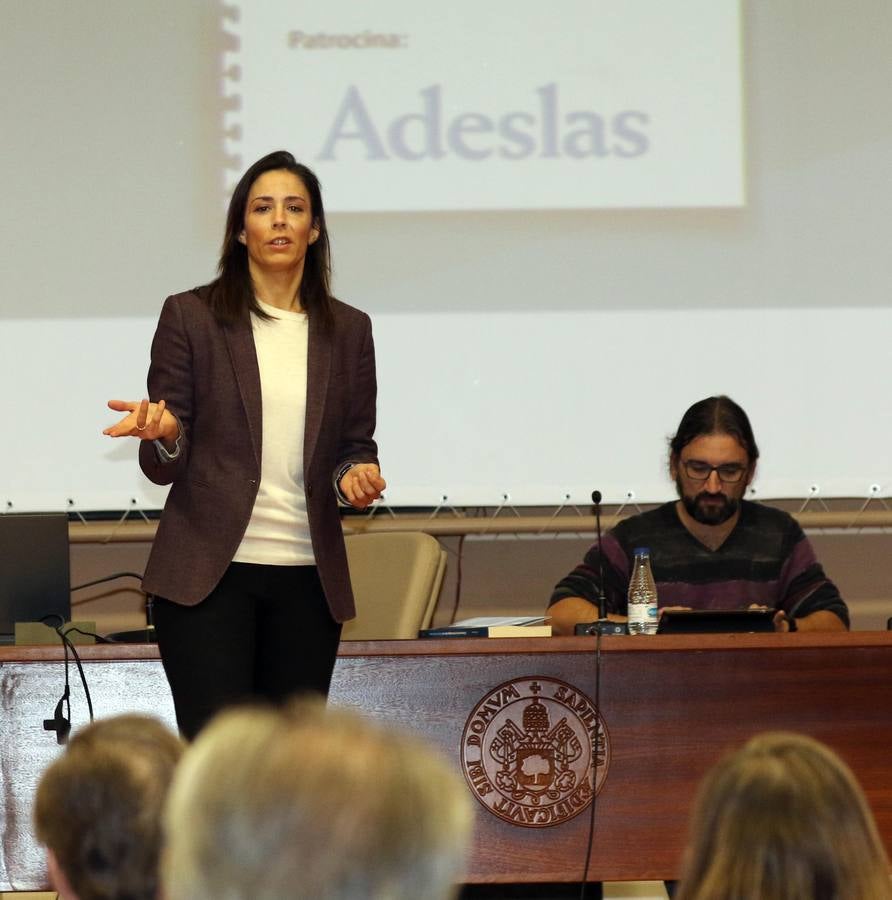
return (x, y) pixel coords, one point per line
(261, 414)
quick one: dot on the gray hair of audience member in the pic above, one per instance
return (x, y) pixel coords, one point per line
(98, 808)
(307, 801)
(783, 818)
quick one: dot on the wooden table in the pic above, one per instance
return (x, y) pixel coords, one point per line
(670, 706)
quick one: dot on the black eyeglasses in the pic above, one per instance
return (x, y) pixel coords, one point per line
(729, 473)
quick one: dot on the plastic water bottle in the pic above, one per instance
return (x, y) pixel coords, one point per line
(642, 595)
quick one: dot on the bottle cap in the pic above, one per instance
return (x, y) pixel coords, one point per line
(641, 551)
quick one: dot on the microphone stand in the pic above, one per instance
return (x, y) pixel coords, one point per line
(602, 625)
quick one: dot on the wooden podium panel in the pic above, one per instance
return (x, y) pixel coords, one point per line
(670, 707)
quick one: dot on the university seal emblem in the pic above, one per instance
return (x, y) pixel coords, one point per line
(528, 751)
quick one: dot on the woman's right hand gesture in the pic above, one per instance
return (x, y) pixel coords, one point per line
(144, 420)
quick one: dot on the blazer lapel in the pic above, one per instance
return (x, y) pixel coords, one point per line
(318, 370)
(240, 343)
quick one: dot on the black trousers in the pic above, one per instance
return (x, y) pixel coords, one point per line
(265, 632)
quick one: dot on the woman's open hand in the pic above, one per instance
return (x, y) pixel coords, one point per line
(144, 420)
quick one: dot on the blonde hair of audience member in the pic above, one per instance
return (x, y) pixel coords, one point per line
(783, 819)
(271, 804)
(98, 809)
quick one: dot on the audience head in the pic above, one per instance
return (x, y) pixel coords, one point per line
(305, 801)
(783, 819)
(99, 805)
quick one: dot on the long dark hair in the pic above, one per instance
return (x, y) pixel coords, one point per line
(715, 415)
(231, 295)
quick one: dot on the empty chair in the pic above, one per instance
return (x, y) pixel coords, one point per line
(396, 581)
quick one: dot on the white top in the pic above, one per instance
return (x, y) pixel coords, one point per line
(279, 530)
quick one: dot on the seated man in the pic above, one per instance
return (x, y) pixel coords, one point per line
(305, 801)
(98, 809)
(710, 549)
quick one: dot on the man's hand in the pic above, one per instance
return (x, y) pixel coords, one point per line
(780, 619)
(673, 609)
(568, 612)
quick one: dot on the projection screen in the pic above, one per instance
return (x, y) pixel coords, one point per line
(567, 223)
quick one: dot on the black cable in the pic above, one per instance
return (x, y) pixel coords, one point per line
(61, 720)
(87, 584)
(100, 639)
(596, 753)
(43, 620)
(69, 644)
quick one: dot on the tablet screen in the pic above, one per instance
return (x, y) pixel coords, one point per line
(715, 621)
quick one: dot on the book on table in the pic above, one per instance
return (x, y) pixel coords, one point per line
(492, 626)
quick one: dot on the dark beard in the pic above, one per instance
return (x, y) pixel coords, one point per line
(713, 513)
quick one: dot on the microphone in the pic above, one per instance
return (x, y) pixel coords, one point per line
(603, 625)
(60, 723)
(602, 599)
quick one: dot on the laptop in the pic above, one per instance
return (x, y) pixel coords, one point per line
(715, 621)
(35, 574)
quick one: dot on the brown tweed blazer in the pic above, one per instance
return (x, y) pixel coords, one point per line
(209, 378)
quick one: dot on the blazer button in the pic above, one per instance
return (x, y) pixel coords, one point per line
(309, 490)
(252, 481)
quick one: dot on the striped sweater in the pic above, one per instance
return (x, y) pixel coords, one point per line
(767, 559)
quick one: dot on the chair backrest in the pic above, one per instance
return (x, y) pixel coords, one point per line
(396, 581)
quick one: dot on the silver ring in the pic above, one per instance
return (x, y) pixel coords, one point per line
(143, 428)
